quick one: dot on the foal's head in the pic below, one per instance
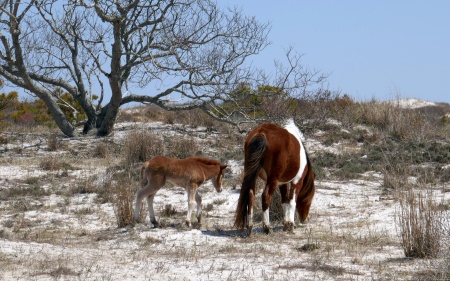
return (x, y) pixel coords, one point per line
(217, 181)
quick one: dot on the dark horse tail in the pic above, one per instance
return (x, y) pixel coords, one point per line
(252, 168)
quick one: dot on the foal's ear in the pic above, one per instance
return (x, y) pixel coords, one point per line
(222, 167)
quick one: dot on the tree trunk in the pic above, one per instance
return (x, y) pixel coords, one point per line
(107, 120)
(115, 81)
(61, 121)
(112, 109)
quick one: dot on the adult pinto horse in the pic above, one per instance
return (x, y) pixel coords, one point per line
(189, 173)
(277, 155)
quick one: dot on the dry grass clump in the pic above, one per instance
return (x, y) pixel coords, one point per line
(141, 146)
(194, 118)
(124, 189)
(182, 147)
(397, 122)
(168, 211)
(169, 117)
(53, 142)
(53, 163)
(84, 186)
(420, 221)
(21, 191)
(197, 118)
(101, 150)
(387, 119)
(396, 177)
(134, 114)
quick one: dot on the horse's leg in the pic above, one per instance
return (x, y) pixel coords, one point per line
(289, 204)
(286, 200)
(191, 190)
(198, 199)
(151, 211)
(140, 194)
(266, 200)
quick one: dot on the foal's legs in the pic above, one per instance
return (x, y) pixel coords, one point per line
(151, 211)
(140, 194)
(153, 184)
(191, 191)
(198, 199)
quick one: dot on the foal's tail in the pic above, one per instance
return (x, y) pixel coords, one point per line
(254, 158)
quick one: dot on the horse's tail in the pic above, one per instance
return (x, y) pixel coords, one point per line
(307, 191)
(253, 162)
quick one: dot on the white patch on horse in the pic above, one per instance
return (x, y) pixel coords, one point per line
(295, 131)
(291, 208)
(285, 211)
(266, 220)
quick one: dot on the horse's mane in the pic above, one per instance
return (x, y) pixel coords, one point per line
(206, 161)
(290, 125)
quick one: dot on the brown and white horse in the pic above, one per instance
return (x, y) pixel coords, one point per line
(189, 173)
(277, 155)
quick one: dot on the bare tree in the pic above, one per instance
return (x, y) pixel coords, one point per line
(98, 50)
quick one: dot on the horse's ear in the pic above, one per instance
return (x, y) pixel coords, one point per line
(222, 167)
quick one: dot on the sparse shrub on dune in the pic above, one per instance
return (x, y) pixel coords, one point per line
(420, 222)
(123, 189)
(182, 147)
(141, 146)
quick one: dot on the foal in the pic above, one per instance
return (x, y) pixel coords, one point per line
(189, 173)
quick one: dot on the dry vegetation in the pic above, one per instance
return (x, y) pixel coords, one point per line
(380, 213)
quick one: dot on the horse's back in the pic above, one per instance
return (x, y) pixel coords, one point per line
(282, 155)
(177, 171)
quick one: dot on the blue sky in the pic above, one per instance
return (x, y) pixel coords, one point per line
(372, 49)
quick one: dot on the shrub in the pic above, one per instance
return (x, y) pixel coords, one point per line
(141, 146)
(101, 150)
(182, 148)
(53, 164)
(124, 190)
(52, 142)
(84, 186)
(420, 221)
(169, 210)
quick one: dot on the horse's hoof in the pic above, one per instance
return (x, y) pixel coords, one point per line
(288, 226)
(188, 224)
(249, 231)
(267, 229)
(156, 224)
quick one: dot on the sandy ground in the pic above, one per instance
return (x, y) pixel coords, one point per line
(351, 234)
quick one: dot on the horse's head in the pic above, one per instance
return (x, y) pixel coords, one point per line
(217, 181)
